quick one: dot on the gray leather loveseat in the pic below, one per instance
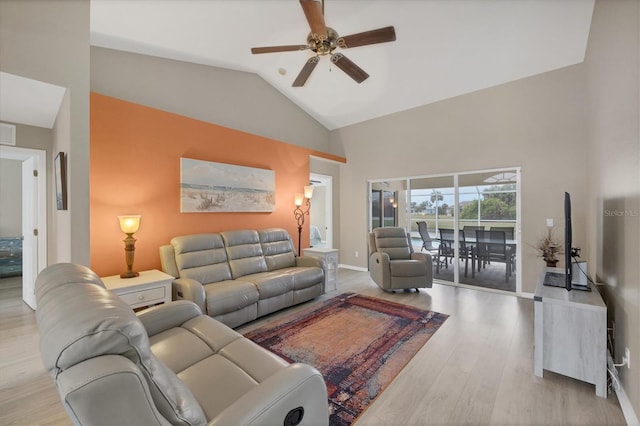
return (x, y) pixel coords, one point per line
(238, 276)
(166, 365)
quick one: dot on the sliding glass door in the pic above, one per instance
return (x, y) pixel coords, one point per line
(487, 223)
(384, 206)
(469, 222)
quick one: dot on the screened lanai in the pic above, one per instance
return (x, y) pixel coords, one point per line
(469, 223)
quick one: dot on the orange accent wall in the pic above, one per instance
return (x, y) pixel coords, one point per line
(135, 169)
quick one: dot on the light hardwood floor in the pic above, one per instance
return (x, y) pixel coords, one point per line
(477, 369)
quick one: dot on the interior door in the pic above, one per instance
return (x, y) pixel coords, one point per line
(29, 231)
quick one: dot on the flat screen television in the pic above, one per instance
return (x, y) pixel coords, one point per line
(567, 241)
(566, 279)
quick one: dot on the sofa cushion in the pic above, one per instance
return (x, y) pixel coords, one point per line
(277, 248)
(271, 284)
(408, 268)
(244, 252)
(304, 276)
(228, 296)
(216, 363)
(201, 257)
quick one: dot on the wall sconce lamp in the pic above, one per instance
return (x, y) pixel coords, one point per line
(298, 213)
(129, 225)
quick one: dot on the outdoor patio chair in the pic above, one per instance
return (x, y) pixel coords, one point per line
(492, 246)
(447, 250)
(509, 234)
(508, 231)
(427, 242)
(470, 231)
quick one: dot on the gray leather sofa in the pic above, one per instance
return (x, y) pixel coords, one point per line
(166, 365)
(394, 265)
(238, 276)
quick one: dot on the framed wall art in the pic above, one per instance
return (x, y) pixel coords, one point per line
(218, 187)
(60, 170)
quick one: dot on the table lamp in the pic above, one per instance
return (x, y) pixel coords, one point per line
(129, 225)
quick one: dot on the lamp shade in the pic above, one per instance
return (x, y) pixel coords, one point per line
(129, 223)
(308, 191)
(298, 200)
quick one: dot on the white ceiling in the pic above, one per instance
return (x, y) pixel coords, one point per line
(444, 48)
(28, 101)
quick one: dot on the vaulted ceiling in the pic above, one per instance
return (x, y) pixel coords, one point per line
(444, 48)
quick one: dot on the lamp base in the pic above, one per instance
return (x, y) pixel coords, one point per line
(129, 274)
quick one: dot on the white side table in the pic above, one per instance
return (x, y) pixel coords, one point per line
(330, 257)
(150, 288)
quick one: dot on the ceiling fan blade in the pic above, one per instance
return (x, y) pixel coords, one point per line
(313, 11)
(380, 35)
(272, 49)
(306, 72)
(349, 67)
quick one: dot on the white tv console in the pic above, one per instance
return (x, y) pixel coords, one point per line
(570, 333)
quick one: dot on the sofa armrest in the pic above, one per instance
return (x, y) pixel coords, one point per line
(297, 385)
(84, 386)
(310, 261)
(168, 315)
(168, 260)
(423, 257)
(428, 259)
(189, 289)
(379, 268)
(314, 262)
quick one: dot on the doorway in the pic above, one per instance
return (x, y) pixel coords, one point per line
(321, 211)
(34, 215)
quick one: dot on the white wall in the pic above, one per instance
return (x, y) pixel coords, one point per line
(613, 84)
(11, 198)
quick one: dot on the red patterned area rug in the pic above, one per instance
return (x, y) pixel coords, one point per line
(358, 343)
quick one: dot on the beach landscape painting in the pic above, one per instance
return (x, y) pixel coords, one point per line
(206, 186)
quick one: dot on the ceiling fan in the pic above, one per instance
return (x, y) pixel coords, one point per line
(324, 40)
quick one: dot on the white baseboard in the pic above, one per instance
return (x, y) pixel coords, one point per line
(627, 409)
(355, 268)
(625, 404)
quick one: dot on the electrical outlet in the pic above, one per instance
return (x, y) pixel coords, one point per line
(627, 357)
(356, 254)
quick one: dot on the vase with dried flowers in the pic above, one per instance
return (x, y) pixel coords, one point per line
(549, 248)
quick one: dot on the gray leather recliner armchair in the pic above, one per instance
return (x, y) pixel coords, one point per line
(394, 265)
(167, 365)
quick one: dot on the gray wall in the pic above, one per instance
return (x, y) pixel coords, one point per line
(613, 84)
(537, 123)
(238, 100)
(48, 40)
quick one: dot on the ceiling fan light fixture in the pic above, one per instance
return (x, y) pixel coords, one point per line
(323, 40)
(323, 45)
